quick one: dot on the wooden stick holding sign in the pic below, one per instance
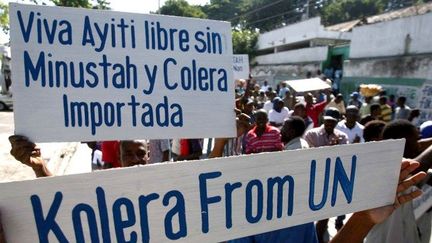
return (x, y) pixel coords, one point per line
(203, 201)
(88, 75)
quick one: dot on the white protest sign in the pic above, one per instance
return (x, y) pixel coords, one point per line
(424, 202)
(100, 75)
(310, 84)
(241, 66)
(203, 201)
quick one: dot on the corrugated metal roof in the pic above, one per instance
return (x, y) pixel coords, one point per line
(344, 27)
(401, 13)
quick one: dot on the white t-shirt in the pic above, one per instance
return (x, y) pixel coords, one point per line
(268, 106)
(357, 130)
(279, 117)
(265, 88)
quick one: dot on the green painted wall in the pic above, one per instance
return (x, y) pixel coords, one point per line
(335, 51)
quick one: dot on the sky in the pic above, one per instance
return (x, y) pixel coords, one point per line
(133, 6)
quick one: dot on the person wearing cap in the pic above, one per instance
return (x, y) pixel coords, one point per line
(279, 113)
(350, 125)
(327, 135)
(248, 109)
(354, 100)
(426, 129)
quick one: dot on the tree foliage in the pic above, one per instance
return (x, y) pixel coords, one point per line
(4, 17)
(244, 42)
(73, 3)
(267, 15)
(102, 4)
(181, 8)
(346, 10)
(222, 9)
(95, 4)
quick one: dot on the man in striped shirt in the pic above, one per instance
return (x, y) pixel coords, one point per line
(263, 137)
(386, 110)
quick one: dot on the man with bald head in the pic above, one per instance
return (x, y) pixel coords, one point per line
(133, 152)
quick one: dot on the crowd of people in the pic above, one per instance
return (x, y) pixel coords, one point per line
(275, 119)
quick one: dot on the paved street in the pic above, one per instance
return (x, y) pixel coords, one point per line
(62, 158)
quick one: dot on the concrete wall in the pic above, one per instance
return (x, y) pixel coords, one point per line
(276, 73)
(315, 54)
(403, 66)
(299, 32)
(410, 35)
(409, 76)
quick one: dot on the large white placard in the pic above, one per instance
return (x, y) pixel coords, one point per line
(203, 201)
(311, 84)
(241, 66)
(99, 75)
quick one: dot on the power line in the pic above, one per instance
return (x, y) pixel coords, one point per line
(284, 13)
(256, 10)
(271, 17)
(315, 4)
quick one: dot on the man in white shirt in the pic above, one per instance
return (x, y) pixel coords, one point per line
(350, 126)
(265, 87)
(402, 111)
(279, 113)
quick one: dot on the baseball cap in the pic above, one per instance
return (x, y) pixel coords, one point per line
(426, 129)
(355, 94)
(277, 99)
(332, 114)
